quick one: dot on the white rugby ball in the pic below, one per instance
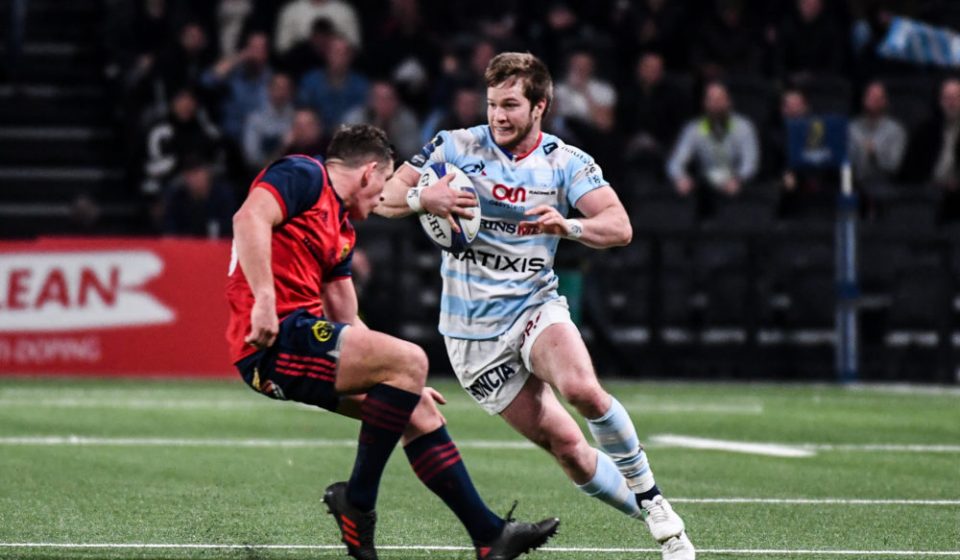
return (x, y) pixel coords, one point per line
(438, 229)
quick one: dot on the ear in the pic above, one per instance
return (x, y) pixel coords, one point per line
(368, 170)
(540, 107)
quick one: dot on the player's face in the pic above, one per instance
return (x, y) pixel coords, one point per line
(368, 196)
(513, 121)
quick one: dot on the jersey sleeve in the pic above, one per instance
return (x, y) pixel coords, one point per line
(434, 151)
(583, 175)
(343, 269)
(296, 183)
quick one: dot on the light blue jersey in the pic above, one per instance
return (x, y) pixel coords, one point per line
(506, 269)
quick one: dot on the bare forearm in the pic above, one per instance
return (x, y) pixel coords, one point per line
(393, 202)
(252, 235)
(610, 228)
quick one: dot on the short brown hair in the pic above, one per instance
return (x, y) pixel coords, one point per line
(537, 83)
(358, 144)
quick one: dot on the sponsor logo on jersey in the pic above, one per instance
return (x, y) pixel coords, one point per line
(474, 168)
(512, 194)
(502, 263)
(508, 227)
(488, 381)
(322, 330)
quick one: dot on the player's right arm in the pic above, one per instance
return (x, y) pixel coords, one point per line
(437, 199)
(252, 233)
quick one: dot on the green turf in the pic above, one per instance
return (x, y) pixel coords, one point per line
(270, 496)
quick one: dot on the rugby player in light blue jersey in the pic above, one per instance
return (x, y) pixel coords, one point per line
(508, 332)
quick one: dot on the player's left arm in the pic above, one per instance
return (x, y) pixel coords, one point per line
(605, 223)
(340, 302)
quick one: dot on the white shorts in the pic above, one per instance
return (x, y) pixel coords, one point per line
(494, 370)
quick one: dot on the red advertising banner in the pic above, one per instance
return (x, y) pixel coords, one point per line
(111, 306)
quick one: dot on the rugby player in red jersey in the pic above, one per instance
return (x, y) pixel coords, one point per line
(295, 335)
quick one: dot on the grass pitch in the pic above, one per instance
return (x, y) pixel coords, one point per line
(187, 469)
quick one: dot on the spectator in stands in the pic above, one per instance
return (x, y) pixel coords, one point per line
(934, 151)
(466, 110)
(582, 96)
(650, 26)
(306, 136)
(266, 128)
(877, 141)
(232, 17)
(457, 69)
(583, 109)
(793, 105)
(716, 153)
(296, 20)
(812, 42)
(183, 63)
(311, 53)
(186, 130)
(334, 90)
(244, 79)
(384, 110)
(558, 31)
(197, 205)
(724, 44)
(650, 114)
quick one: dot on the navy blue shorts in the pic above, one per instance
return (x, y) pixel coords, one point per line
(301, 365)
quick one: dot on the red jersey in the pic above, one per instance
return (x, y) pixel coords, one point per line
(312, 245)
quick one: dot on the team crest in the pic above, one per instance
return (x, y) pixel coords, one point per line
(322, 330)
(345, 251)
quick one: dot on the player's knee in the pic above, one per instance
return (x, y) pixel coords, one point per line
(415, 364)
(568, 450)
(586, 396)
(425, 418)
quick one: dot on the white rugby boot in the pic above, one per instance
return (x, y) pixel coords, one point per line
(667, 528)
(661, 519)
(678, 548)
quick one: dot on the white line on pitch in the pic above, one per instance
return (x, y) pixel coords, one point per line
(771, 449)
(816, 501)
(795, 449)
(557, 549)
(665, 440)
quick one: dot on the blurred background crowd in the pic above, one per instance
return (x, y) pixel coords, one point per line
(208, 92)
(152, 117)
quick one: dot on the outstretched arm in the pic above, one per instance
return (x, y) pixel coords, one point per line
(605, 224)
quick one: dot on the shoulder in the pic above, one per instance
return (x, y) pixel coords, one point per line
(564, 153)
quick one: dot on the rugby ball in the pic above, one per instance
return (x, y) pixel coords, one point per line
(438, 229)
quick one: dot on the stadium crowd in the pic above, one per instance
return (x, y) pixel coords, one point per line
(673, 98)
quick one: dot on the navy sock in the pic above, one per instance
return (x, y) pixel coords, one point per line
(384, 414)
(648, 495)
(436, 460)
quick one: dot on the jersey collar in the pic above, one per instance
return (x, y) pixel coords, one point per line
(517, 157)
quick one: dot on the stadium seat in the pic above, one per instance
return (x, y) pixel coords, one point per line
(664, 213)
(908, 212)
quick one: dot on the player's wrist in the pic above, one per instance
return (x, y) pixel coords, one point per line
(574, 229)
(414, 199)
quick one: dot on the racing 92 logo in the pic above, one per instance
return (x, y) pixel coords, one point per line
(510, 194)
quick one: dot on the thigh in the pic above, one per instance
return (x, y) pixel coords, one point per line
(552, 348)
(368, 357)
(490, 371)
(537, 414)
